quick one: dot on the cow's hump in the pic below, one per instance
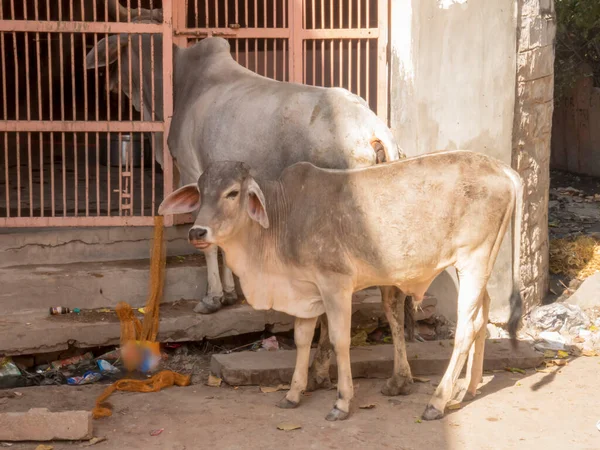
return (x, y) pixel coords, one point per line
(213, 45)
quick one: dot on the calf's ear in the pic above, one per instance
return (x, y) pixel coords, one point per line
(105, 46)
(184, 200)
(256, 204)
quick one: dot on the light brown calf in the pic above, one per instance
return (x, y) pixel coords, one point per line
(305, 243)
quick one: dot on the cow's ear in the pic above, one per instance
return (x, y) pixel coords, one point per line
(184, 200)
(105, 46)
(256, 204)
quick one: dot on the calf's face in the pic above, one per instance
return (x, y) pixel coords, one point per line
(227, 199)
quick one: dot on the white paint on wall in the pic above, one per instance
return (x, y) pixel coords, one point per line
(446, 4)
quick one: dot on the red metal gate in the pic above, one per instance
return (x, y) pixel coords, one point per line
(59, 121)
(319, 42)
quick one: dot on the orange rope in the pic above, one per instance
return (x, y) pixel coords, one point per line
(134, 332)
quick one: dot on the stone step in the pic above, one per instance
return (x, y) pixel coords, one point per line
(26, 246)
(38, 332)
(377, 361)
(96, 284)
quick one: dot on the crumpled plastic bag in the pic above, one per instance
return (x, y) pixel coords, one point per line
(551, 340)
(561, 317)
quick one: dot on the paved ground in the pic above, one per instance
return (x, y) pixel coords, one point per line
(536, 411)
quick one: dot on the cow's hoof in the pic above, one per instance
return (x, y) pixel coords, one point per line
(336, 414)
(229, 298)
(317, 382)
(287, 404)
(208, 305)
(432, 413)
(397, 385)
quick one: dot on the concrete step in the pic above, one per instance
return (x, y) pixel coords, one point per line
(377, 361)
(38, 332)
(26, 246)
(96, 284)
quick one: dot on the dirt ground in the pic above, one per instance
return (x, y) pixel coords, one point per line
(533, 411)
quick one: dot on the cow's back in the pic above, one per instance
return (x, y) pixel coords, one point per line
(412, 213)
(226, 112)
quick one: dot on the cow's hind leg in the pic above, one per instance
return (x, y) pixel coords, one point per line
(214, 292)
(393, 304)
(230, 296)
(475, 361)
(470, 320)
(304, 330)
(318, 374)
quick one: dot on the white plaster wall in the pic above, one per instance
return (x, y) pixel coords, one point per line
(453, 74)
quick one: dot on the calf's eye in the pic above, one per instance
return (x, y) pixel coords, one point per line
(233, 194)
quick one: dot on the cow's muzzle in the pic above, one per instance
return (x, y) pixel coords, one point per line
(197, 237)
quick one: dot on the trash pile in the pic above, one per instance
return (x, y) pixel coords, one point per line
(75, 370)
(560, 330)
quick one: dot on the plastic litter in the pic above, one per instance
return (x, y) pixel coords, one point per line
(9, 373)
(559, 317)
(551, 340)
(270, 343)
(74, 360)
(113, 355)
(87, 378)
(57, 310)
(106, 367)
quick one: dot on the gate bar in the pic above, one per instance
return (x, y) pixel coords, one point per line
(79, 27)
(79, 126)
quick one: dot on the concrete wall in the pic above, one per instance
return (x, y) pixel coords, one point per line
(456, 69)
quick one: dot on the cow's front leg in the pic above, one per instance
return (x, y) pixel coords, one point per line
(230, 296)
(318, 374)
(393, 304)
(304, 330)
(214, 292)
(338, 306)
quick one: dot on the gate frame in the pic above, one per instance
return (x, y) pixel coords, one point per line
(60, 126)
(174, 30)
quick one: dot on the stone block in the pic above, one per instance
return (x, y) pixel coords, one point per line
(535, 91)
(425, 358)
(529, 8)
(536, 63)
(588, 294)
(39, 424)
(536, 31)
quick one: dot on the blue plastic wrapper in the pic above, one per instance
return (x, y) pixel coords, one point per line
(106, 367)
(87, 378)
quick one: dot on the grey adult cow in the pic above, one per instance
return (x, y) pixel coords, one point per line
(305, 243)
(223, 111)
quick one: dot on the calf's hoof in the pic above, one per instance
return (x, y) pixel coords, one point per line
(432, 413)
(229, 298)
(208, 305)
(287, 404)
(397, 385)
(336, 414)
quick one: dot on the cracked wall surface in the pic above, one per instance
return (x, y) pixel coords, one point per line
(536, 28)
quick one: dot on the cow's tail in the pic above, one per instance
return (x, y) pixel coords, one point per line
(385, 148)
(516, 301)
